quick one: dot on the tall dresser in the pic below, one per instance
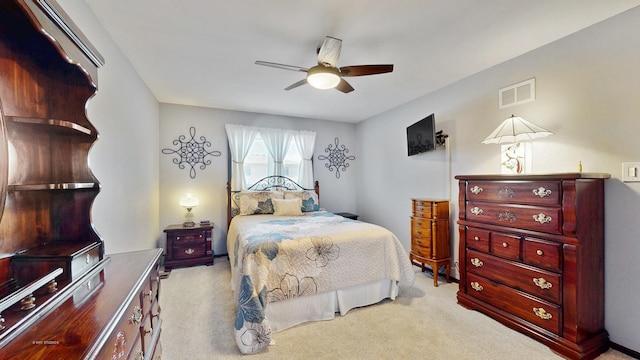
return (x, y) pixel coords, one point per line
(430, 243)
(532, 256)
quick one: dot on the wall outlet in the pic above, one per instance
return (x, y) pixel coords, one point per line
(631, 171)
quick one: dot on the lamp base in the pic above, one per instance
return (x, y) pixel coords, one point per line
(188, 224)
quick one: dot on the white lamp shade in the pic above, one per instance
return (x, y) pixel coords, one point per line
(514, 130)
(322, 77)
(189, 201)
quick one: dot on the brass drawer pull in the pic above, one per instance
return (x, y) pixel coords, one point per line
(476, 210)
(476, 189)
(476, 286)
(542, 218)
(542, 313)
(189, 251)
(542, 283)
(541, 192)
(476, 262)
(504, 244)
(539, 252)
(136, 316)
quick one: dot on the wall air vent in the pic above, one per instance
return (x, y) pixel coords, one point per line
(517, 94)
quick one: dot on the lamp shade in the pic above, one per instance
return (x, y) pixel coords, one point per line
(514, 130)
(189, 201)
(323, 77)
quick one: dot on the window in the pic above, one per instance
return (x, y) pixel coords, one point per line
(258, 163)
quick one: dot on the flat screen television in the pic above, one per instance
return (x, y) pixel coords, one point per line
(421, 136)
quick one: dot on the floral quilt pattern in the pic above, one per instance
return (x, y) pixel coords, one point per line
(280, 258)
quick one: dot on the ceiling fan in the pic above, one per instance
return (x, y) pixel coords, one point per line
(327, 74)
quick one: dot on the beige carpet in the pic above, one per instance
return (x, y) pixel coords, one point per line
(424, 322)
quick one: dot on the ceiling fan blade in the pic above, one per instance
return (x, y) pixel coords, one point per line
(344, 86)
(329, 52)
(299, 83)
(361, 70)
(282, 66)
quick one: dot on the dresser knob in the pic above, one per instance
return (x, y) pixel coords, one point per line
(88, 259)
(476, 210)
(476, 190)
(476, 262)
(542, 218)
(542, 283)
(539, 252)
(476, 286)
(504, 244)
(476, 238)
(136, 316)
(541, 192)
(542, 313)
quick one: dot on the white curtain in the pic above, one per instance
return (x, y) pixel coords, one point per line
(306, 143)
(240, 141)
(277, 142)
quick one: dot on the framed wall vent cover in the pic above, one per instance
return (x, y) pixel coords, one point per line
(516, 94)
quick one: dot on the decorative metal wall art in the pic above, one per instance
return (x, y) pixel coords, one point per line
(191, 152)
(337, 158)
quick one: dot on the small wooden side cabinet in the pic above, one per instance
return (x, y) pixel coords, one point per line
(430, 242)
(188, 246)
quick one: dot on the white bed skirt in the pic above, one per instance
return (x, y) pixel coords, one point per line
(288, 313)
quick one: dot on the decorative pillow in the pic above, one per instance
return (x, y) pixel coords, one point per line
(309, 199)
(257, 202)
(289, 207)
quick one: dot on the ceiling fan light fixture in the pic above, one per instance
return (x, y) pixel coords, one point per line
(323, 77)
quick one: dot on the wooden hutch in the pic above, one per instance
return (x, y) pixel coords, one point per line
(60, 297)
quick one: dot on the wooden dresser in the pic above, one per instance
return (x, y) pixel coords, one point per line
(430, 242)
(60, 297)
(112, 314)
(188, 246)
(532, 256)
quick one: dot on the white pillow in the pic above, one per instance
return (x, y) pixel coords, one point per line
(288, 207)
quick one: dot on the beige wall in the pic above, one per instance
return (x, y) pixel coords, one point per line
(588, 94)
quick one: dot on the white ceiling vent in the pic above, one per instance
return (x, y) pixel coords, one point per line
(517, 94)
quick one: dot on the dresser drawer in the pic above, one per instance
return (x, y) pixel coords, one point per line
(189, 251)
(188, 237)
(537, 282)
(478, 239)
(430, 209)
(536, 311)
(505, 246)
(515, 192)
(123, 338)
(545, 254)
(544, 219)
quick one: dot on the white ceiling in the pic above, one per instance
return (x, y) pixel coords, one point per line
(202, 52)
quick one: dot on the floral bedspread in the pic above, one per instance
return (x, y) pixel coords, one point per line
(274, 258)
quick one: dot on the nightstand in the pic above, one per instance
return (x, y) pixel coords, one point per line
(188, 246)
(348, 215)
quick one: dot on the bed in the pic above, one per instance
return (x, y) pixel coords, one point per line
(292, 262)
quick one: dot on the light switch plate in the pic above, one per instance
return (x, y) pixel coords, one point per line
(631, 171)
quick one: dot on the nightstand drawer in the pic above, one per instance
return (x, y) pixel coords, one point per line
(187, 252)
(188, 237)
